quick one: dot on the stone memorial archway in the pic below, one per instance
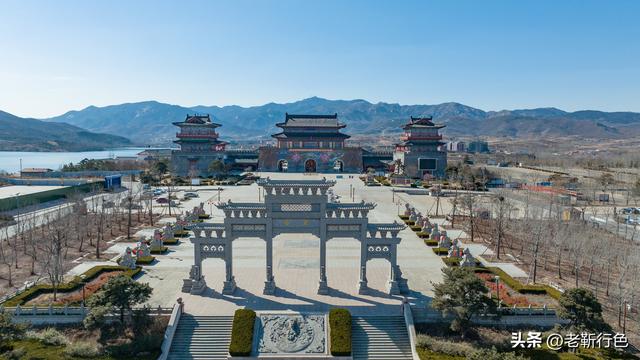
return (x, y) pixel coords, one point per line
(301, 206)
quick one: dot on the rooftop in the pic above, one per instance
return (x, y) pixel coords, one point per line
(36, 170)
(322, 121)
(290, 135)
(197, 120)
(424, 121)
(296, 183)
(21, 190)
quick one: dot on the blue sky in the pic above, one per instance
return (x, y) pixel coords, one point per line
(61, 55)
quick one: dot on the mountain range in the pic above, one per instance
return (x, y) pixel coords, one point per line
(150, 123)
(21, 134)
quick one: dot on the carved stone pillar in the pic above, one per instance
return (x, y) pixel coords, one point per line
(363, 287)
(230, 282)
(323, 288)
(269, 284)
(392, 285)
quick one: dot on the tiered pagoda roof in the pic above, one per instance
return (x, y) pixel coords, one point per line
(310, 125)
(197, 120)
(422, 122)
(416, 132)
(198, 129)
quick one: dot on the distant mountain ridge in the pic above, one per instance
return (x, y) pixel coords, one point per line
(21, 134)
(150, 122)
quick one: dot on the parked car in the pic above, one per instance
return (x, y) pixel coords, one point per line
(108, 204)
(189, 195)
(162, 200)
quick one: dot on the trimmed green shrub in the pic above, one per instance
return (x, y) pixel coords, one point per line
(242, 332)
(431, 242)
(145, 260)
(162, 250)
(416, 228)
(74, 284)
(340, 332)
(423, 235)
(440, 251)
(403, 217)
(524, 288)
(172, 241)
(183, 233)
(451, 261)
(409, 222)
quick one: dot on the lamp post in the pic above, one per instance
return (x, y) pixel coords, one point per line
(497, 278)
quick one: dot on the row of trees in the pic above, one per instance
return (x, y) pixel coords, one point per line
(556, 244)
(44, 243)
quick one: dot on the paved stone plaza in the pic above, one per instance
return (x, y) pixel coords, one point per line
(296, 261)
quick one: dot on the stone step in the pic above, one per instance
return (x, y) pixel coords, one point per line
(201, 337)
(380, 337)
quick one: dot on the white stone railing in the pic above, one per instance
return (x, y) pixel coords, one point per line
(62, 314)
(539, 316)
(45, 310)
(411, 329)
(176, 313)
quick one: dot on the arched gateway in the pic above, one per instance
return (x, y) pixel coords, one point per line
(295, 207)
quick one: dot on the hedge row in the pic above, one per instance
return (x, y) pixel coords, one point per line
(183, 233)
(162, 250)
(416, 228)
(440, 251)
(431, 242)
(523, 288)
(403, 217)
(70, 286)
(242, 332)
(423, 235)
(340, 332)
(145, 260)
(172, 241)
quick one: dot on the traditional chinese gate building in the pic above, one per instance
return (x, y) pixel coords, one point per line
(295, 207)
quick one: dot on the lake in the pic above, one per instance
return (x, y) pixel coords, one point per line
(10, 160)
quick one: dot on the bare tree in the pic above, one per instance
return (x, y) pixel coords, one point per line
(501, 210)
(7, 254)
(468, 204)
(55, 251)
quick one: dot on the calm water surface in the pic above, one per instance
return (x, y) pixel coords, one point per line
(10, 160)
